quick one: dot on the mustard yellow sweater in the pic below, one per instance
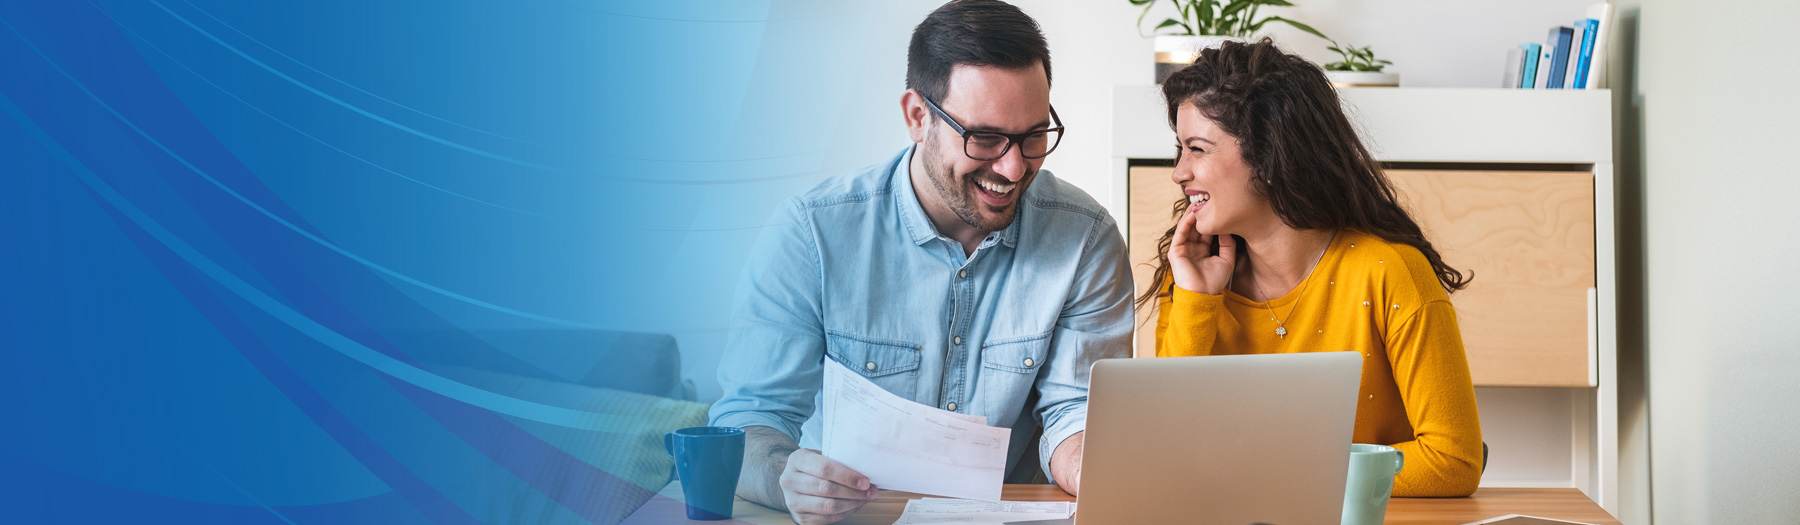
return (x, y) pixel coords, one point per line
(1381, 300)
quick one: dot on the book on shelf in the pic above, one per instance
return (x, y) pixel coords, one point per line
(1515, 67)
(1556, 51)
(1570, 81)
(1543, 72)
(1590, 28)
(1528, 75)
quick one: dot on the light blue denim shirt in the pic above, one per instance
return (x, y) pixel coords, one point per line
(853, 270)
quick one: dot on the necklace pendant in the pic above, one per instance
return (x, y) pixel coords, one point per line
(1281, 331)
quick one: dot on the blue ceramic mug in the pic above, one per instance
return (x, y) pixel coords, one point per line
(1372, 471)
(708, 460)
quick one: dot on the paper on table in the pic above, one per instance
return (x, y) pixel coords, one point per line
(906, 446)
(934, 510)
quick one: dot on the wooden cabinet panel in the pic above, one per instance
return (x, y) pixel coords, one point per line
(1152, 204)
(1528, 236)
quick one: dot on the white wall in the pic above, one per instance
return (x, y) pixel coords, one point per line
(1094, 46)
(1433, 43)
(1709, 123)
(1709, 357)
(1709, 228)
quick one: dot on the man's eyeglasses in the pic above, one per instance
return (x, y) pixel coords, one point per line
(990, 145)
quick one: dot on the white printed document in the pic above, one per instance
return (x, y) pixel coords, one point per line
(936, 510)
(906, 446)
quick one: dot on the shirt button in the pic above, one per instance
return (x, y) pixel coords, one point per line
(1028, 362)
(870, 366)
(964, 274)
(952, 406)
(956, 340)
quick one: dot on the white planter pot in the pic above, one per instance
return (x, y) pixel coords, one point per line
(1345, 79)
(1176, 52)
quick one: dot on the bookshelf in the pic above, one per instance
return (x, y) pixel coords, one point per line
(1514, 184)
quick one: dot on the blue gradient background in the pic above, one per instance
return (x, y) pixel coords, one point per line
(224, 226)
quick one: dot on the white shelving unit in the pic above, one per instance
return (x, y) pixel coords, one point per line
(1542, 436)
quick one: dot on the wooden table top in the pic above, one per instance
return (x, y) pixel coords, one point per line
(1565, 504)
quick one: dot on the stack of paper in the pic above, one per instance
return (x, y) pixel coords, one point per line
(906, 446)
(940, 510)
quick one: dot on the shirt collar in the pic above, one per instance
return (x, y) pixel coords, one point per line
(919, 225)
(912, 214)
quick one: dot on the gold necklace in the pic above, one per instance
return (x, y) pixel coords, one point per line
(1281, 325)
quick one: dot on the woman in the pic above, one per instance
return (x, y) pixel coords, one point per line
(1291, 240)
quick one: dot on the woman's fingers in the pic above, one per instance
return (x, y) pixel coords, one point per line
(1193, 262)
(1184, 228)
(1194, 234)
(1185, 254)
(1218, 268)
(1228, 248)
(1189, 235)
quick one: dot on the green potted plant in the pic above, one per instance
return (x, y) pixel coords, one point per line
(1359, 68)
(1201, 24)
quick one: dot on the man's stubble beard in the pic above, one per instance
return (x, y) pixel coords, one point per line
(964, 203)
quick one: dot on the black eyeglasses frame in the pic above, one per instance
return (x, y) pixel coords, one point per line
(1011, 138)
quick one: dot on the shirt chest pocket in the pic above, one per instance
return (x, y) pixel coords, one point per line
(1010, 369)
(891, 365)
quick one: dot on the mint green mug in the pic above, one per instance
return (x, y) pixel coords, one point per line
(1372, 471)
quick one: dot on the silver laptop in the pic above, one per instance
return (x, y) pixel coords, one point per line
(1230, 440)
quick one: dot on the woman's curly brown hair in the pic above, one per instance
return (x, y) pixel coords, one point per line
(1304, 154)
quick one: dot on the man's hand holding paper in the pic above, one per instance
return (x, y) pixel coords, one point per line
(889, 314)
(819, 490)
(902, 445)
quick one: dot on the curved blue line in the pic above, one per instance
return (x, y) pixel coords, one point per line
(347, 105)
(713, 161)
(698, 20)
(164, 432)
(228, 93)
(668, 182)
(272, 215)
(350, 348)
(347, 84)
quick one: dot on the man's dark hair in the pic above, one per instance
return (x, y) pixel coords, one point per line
(972, 32)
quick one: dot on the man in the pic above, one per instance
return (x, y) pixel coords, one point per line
(957, 275)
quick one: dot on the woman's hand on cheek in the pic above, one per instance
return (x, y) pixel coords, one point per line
(1192, 263)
